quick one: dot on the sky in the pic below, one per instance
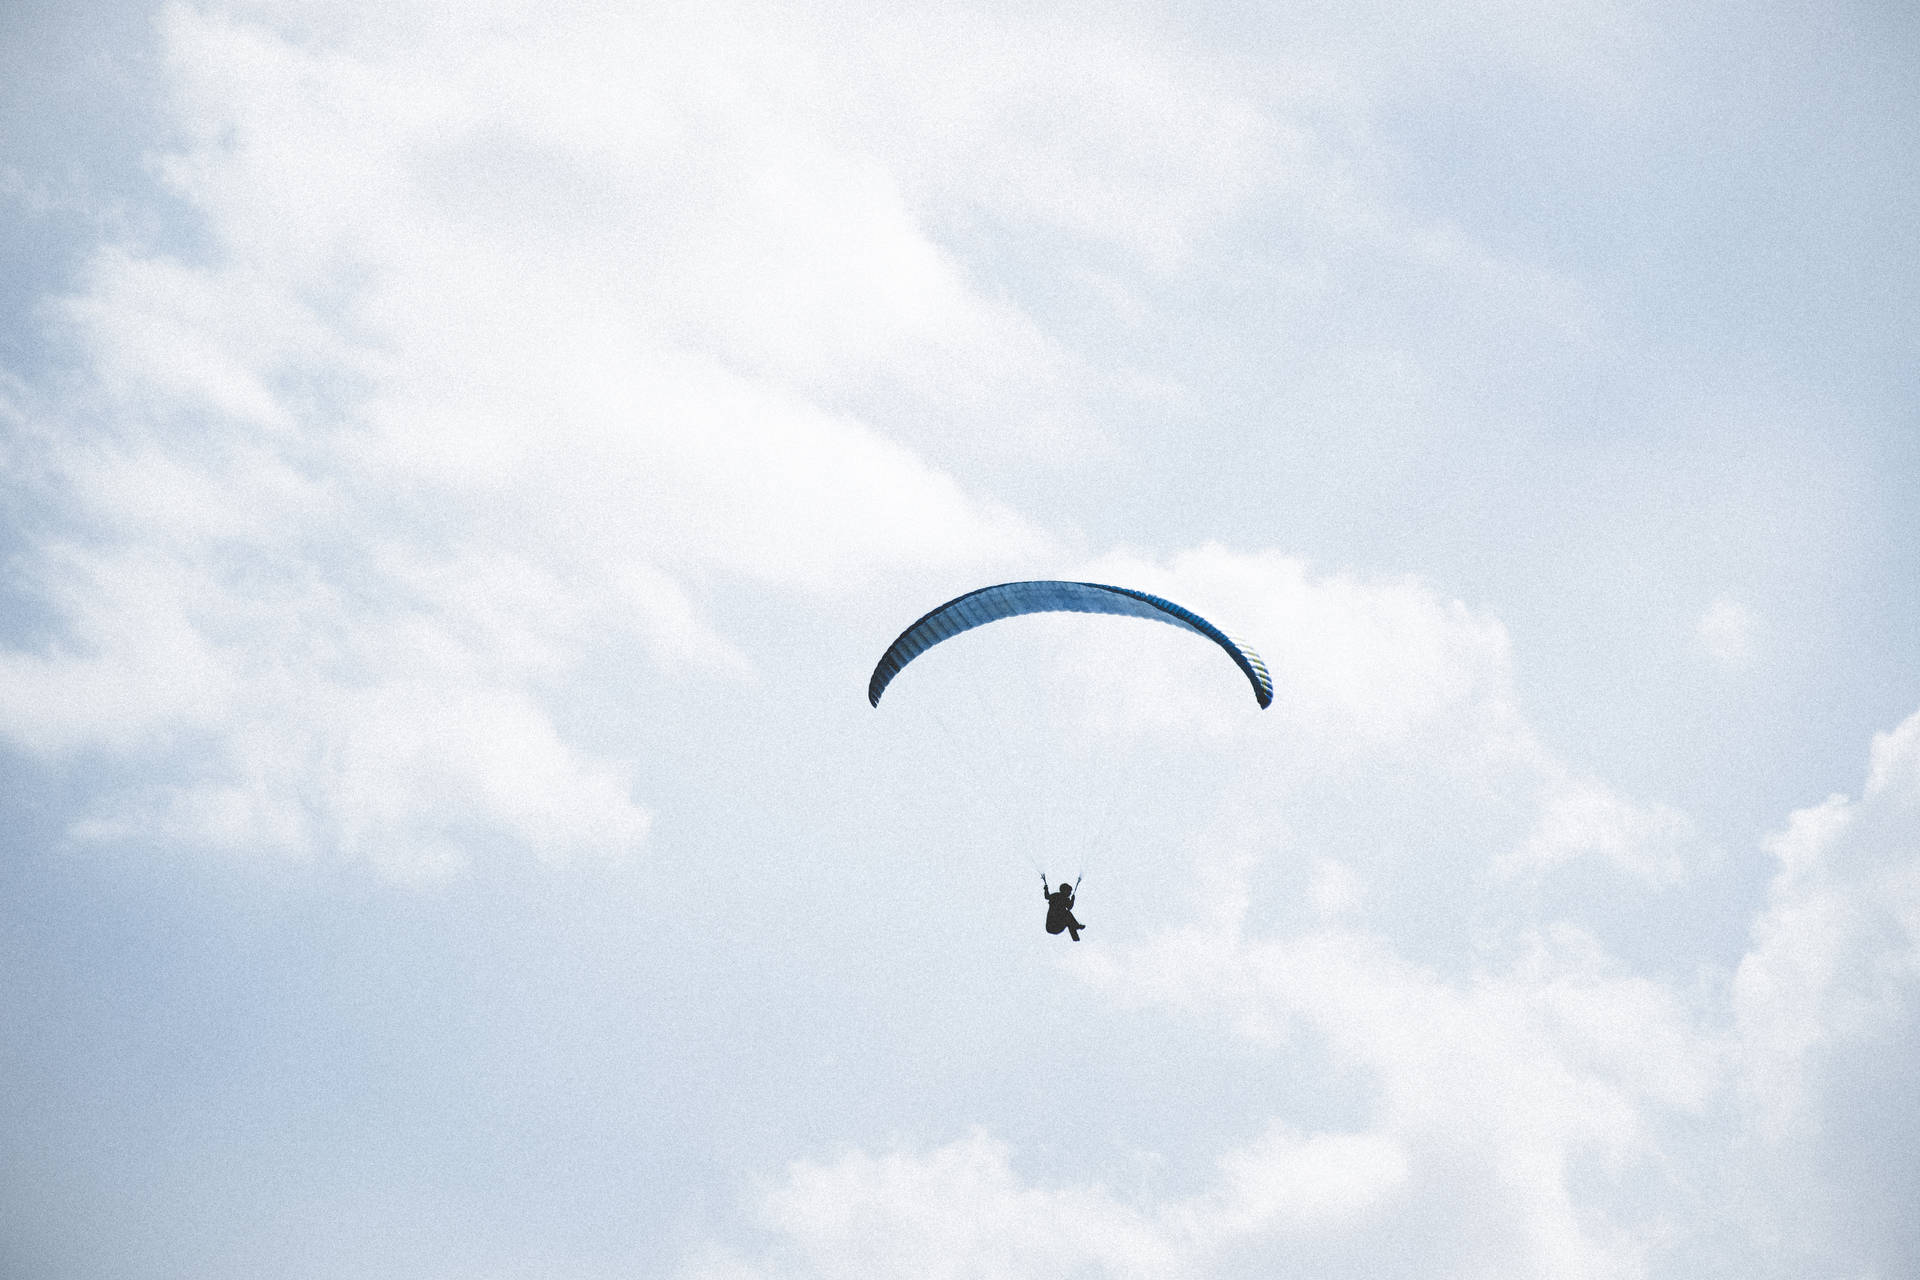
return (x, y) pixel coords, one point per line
(462, 463)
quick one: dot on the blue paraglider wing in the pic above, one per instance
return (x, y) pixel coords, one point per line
(1012, 599)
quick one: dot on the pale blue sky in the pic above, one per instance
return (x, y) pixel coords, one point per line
(460, 472)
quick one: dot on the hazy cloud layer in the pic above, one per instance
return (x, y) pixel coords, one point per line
(1534, 1105)
(497, 443)
(429, 406)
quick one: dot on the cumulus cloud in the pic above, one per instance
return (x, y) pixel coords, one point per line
(494, 339)
(500, 332)
(504, 349)
(1377, 670)
(1551, 1113)
(1587, 818)
(1394, 776)
(1507, 1081)
(963, 1210)
(1532, 1100)
(1729, 632)
(959, 1210)
(1836, 953)
(1511, 1111)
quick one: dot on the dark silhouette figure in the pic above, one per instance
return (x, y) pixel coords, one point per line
(1060, 910)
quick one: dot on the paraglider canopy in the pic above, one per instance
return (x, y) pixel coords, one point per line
(1013, 599)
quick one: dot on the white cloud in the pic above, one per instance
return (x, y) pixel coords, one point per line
(1730, 633)
(1357, 665)
(503, 330)
(498, 341)
(1385, 670)
(518, 357)
(1490, 1095)
(1533, 1104)
(1585, 818)
(963, 1210)
(1334, 889)
(1503, 1079)
(1528, 1093)
(1836, 954)
(1284, 1180)
(1043, 119)
(960, 1210)
(1893, 769)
